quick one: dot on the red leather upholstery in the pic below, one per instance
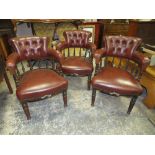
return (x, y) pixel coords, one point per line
(37, 83)
(77, 38)
(77, 65)
(115, 80)
(73, 64)
(29, 47)
(121, 46)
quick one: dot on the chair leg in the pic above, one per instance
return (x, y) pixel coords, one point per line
(8, 82)
(65, 98)
(93, 96)
(89, 81)
(59, 70)
(132, 103)
(26, 110)
(96, 69)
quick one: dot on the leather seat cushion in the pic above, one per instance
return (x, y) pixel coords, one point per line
(77, 66)
(116, 80)
(40, 82)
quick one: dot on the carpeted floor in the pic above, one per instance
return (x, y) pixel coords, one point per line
(49, 116)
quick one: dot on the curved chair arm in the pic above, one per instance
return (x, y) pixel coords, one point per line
(58, 56)
(91, 46)
(98, 54)
(61, 45)
(12, 61)
(141, 60)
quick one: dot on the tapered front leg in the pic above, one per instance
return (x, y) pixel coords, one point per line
(65, 98)
(26, 110)
(93, 96)
(132, 103)
(96, 69)
(59, 70)
(8, 82)
(89, 81)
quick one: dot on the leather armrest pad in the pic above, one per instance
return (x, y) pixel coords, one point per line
(56, 54)
(98, 54)
(141, 59)
(12, 61)
(61, 45)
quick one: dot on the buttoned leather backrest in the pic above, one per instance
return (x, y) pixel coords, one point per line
(77, 38)
(121, 46)
(30, 47)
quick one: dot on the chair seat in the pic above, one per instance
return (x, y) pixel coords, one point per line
(115, 80)
(77, 66)
(40, 82)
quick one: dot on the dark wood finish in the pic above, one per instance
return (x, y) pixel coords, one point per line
(1, 77)
(4, 74)
(30, 22)
(132, 103)
(89, 82)
(143, 29)
(65, 98)
(93, 97)
(26, 110)
(3, 49)
(6, 32)
(7, 82)
(116, 29)
(99, 28)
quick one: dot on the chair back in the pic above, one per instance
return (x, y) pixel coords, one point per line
(33, 54)
(30, 47)
(77, 38)
(120, 54)
(121, 46)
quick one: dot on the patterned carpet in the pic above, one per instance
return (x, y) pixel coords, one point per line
(49, 116)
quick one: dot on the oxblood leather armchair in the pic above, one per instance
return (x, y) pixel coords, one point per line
(119, 67)
(36, 79)
(76, 54)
